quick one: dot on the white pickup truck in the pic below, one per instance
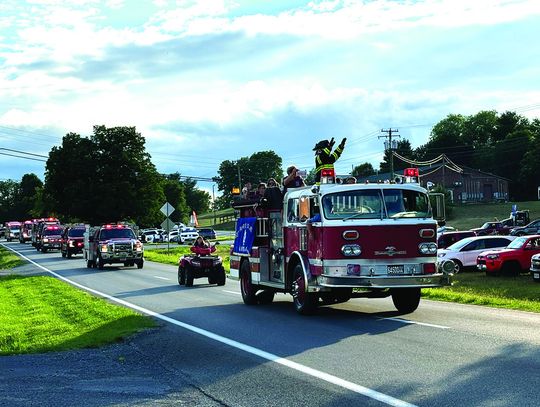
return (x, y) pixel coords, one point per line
(188, 235)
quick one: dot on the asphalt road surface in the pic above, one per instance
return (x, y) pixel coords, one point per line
(212, 350)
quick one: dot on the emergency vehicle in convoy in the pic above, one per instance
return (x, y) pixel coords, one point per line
(26, 231)
(332, 242)
(13, 229)
(112, 243)
(37, 229)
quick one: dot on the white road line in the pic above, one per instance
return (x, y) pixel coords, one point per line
(406, 321)
(373, 394)
(162, 278)
(231, 292)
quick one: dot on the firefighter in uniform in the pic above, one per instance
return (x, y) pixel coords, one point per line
(325, 158)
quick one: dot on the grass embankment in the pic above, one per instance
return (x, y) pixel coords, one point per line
(469, 216)
(519, 293)
(42, 314)
(9, 260)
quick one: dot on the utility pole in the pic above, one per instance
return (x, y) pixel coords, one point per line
(390, 145)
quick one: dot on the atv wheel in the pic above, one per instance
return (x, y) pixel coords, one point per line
(221, 277)
(181, 275)
(189, 276)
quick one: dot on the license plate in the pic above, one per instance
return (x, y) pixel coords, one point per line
(536, 275)
(400, 269)
(122, 255)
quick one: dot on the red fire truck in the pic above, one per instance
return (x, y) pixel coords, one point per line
(332, 242)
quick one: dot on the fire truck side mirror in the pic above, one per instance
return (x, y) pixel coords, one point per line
(315, 189)
(437, 205)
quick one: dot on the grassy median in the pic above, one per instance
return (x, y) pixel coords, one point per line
(519, 293)
(41, 314)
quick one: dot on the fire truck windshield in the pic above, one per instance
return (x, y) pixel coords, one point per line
(116, 233)
(376, 204)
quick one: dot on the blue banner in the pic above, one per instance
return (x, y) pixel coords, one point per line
(245, 233)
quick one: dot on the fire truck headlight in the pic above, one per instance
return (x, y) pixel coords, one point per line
(351, 250)
(427, 248)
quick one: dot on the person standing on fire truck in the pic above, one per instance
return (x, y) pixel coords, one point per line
(325, 158)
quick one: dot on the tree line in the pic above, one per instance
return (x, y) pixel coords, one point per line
(507, 145)
(106, 177)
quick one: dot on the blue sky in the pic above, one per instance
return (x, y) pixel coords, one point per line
(207, 81)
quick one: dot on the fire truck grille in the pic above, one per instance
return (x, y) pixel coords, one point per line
(122, 247)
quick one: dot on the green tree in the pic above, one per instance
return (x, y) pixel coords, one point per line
(404, 149)
(27, 195)
(8, 200)
(258, 167)
(197, 200)
(175, 194)
(363, 170)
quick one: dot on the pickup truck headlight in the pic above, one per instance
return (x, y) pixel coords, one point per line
(45, 240)
(104, 248)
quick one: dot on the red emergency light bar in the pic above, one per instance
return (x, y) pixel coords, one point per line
(411, 172)
(328, 173)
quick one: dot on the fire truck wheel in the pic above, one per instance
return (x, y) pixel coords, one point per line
(69, 254)
(89, 264)
(406, 300)
(248, 289)
(266, 296)
(304, 302)
(181, 276)
(63, 254)
(189, 276)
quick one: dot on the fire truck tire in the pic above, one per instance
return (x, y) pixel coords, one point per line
(63, 254)
(248, 289)
(89, 264)
(140, 264)
(305, 303)
(181, 276)
(189, 276)
(266, 296)
(69, 254)
(406, 300)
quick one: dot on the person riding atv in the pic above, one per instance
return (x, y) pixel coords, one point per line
(201, 264)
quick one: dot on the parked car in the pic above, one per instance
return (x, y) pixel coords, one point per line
(207, 233)
(72, 240)
(492, 228)
(448, 238)
(151, 236)
(465, 251)
(187, 235)
(535, 267)
(532, 228)
(515, 258)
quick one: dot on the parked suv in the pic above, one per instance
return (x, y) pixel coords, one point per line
(492, 228)
(465, 251)
(535, 267)
(72, 240)
(532, 228)
(513, 259)
(207, 233)
(446, 239)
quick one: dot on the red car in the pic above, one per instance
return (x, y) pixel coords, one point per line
(513, 259)
(492, 228)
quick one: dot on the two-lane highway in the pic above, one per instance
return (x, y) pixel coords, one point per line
(360, 353)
